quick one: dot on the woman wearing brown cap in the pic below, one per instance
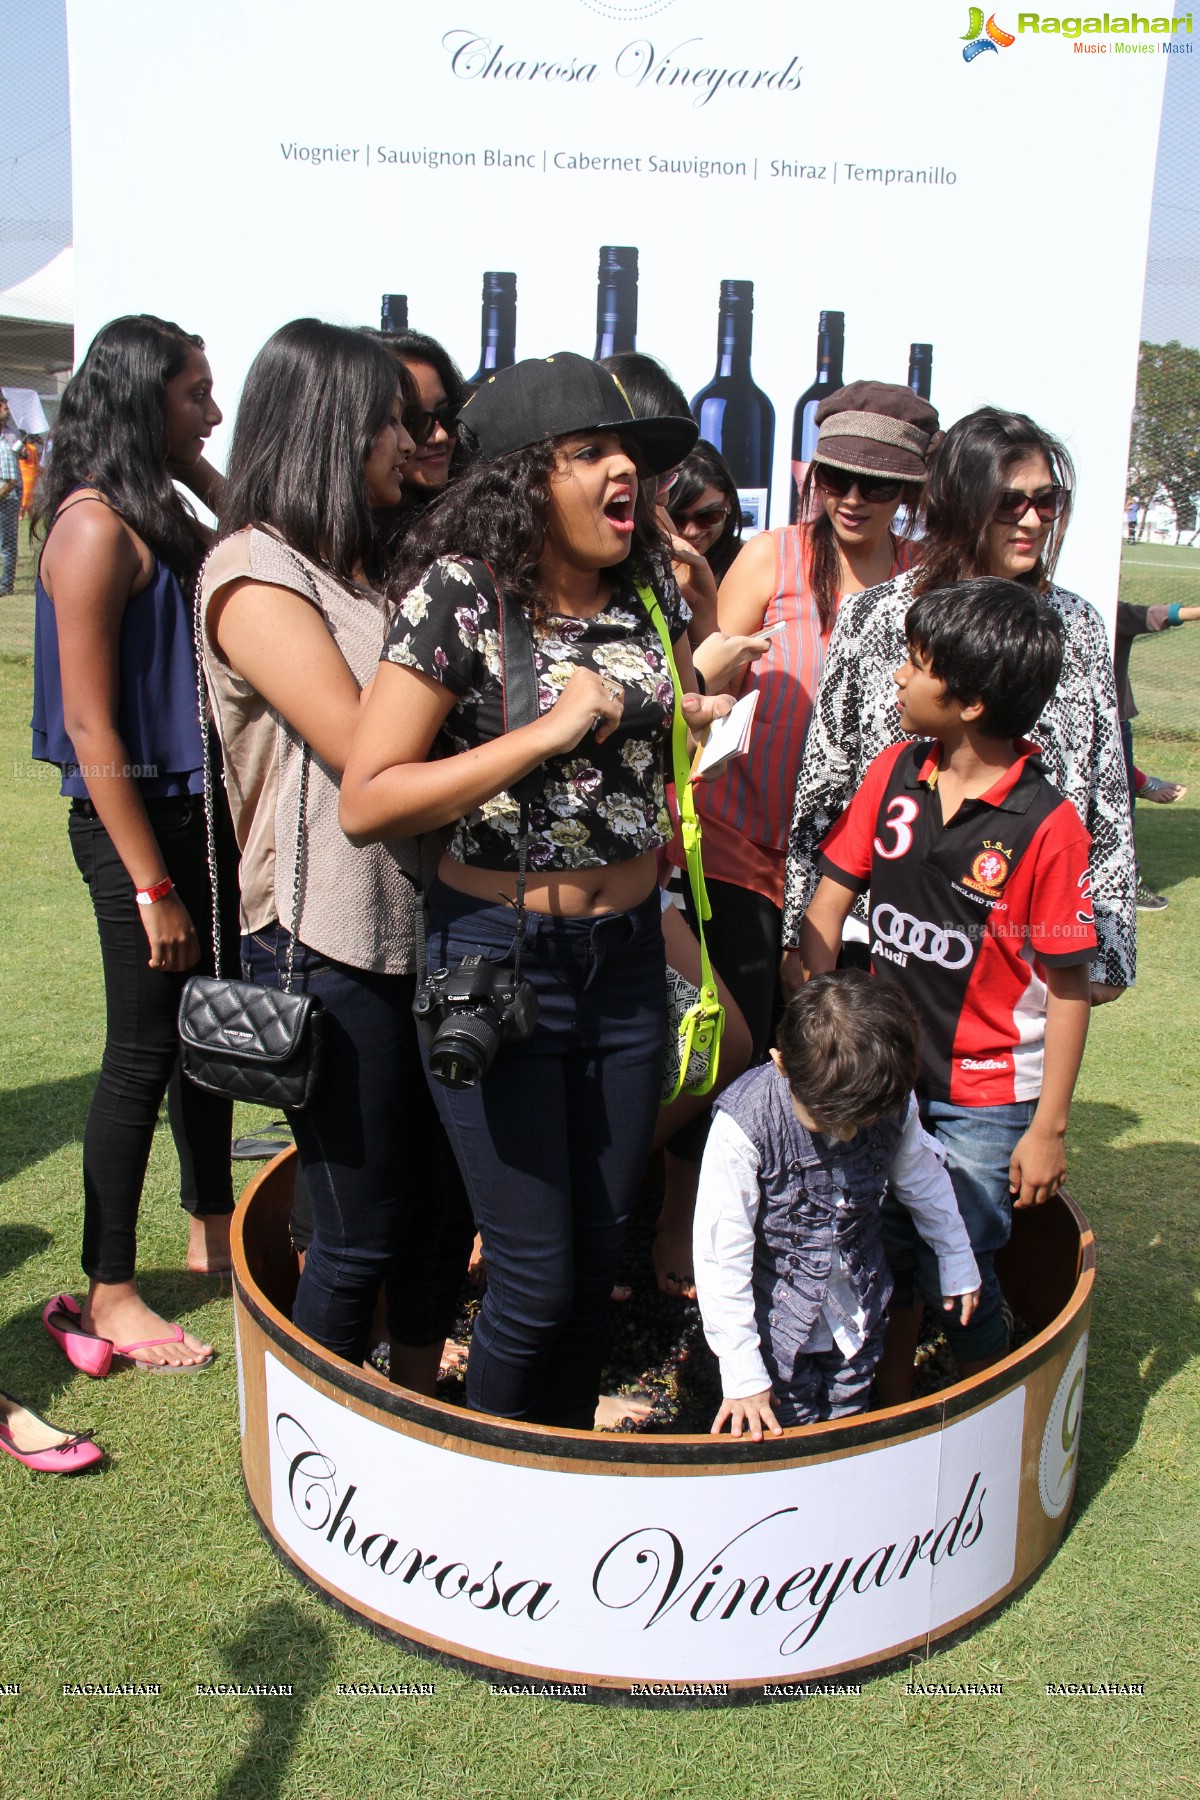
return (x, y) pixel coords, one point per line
(870, 458)
(997, 503)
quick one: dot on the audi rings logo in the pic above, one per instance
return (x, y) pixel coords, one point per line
(917, 937)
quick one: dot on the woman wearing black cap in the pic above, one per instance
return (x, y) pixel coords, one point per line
(553, 1135)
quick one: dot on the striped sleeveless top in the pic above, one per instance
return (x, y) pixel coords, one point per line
(754, 797)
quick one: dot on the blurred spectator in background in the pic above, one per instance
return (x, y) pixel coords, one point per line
(10, 498)
(1133, 622)
(30, 458)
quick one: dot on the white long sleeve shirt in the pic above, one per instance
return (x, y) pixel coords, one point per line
(727, 1206)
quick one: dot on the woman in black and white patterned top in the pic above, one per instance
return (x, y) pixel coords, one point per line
(997, 503)
(553, 1135)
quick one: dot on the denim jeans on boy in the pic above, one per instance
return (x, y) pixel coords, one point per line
(553, 1142)
(978, 1142)
(370, 1147)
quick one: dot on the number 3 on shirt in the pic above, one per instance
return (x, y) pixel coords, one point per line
(900, 814)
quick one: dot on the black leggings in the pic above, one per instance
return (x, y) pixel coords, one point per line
(141, 1048)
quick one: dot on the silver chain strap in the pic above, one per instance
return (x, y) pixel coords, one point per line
(210, 819)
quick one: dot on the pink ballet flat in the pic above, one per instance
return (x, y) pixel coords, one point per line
(175, 1336)
(40, 1445)
(92, 1355)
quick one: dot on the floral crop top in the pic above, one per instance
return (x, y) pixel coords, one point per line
(600, 803)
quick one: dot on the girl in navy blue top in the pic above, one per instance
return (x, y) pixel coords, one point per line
(115, 706)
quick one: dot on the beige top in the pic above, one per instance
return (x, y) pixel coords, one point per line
(356, 904)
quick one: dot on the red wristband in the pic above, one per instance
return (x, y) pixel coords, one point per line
(160, 890)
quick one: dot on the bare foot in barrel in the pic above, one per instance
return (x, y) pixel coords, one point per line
(672, 1252)
(615, 1410)
(477, 1265)
(116, 1311)
(454, 1359)
(208, 1250)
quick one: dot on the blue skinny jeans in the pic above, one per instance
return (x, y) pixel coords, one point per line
(553, 1141)
(374, 1162)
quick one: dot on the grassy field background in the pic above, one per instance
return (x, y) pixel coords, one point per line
(152, 1569)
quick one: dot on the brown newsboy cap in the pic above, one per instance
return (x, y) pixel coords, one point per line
(877, 428)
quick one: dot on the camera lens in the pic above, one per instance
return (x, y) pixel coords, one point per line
(464, 1046)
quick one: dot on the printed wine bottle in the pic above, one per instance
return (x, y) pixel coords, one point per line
(920, 368)
(733, 413)
(616, 300)
(393, 314)
(498, 331)
(831, 340)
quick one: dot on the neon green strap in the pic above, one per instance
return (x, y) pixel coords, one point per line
(706, 1020)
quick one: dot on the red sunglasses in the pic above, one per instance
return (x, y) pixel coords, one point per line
(1014, 503)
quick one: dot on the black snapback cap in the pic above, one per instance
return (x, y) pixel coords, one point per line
(557, 396)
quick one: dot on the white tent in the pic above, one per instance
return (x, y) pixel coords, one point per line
(37, 334)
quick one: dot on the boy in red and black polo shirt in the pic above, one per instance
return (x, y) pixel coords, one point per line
(979, 907)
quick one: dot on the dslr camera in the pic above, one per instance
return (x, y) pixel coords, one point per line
(465, 1014)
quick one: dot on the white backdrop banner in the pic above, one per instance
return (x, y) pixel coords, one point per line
(756, 1576)
(920, 177)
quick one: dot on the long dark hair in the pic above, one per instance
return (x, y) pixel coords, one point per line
(315, 398)
(703, 467)
(498, 512)
(652, 391)
(824, 563)
(110, 434)
(965, 481)
(415, 347)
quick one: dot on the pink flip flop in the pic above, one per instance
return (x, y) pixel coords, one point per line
(40, 1445)
(82, 1349)
(161, 1368)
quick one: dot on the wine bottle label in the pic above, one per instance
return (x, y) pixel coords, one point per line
(811, 430)
(753, 502)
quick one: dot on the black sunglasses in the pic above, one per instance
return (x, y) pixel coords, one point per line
(874, 490)
(704, 516)
(1013, 504)
(420, 425)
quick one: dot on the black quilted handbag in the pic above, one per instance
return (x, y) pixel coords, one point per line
(250, 1042)
(235, 1037)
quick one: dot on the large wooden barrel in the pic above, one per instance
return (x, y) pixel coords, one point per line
(672, 1569)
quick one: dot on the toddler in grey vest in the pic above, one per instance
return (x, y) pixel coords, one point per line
(790, 1269)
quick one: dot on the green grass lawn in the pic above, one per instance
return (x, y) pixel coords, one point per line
(153, 1569)
(1165, 668)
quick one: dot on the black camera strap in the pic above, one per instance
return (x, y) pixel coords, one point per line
(519, 694)
(519, 699)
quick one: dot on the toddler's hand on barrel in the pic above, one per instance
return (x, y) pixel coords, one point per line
(748, 1414)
